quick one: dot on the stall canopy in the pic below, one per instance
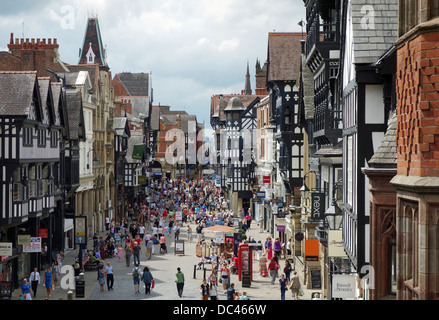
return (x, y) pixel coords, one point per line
(220, 228)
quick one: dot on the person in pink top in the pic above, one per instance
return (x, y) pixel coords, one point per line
(163, 244)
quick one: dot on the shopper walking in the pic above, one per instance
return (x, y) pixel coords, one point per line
(189, 233)
(35, 281)
(213, 290)
(295, 286)
(287, 270)
(204, 290)
(263, 266)
(136, 274)
(128, 253)
(225, 273)
(109, 276)
(147, 279)
(136, 252)
(180, 281)
(48, 279)
(101, 277)
(272, 269)
(26, 290)
(283, 286)
(149, 247)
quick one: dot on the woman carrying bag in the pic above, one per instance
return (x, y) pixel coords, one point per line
(147, 279)
(295, 286)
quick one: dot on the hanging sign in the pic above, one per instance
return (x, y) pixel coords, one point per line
(6, 249)
(33, 246)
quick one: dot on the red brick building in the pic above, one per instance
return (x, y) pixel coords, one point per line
(417, 138)
(32, 55)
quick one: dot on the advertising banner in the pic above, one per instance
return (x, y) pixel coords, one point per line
(33, 246)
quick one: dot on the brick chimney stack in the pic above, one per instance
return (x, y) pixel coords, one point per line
(34, 54)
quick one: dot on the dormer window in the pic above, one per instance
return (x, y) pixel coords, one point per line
(90, 55)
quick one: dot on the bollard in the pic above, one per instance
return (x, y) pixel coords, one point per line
(70, 295)
(204, 273)
(195, 271)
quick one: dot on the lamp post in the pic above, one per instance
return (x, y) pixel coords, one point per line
(95, 160)
(304, 190)
(333, 219)
(333, 215)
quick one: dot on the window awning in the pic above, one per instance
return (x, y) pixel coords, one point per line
(138, 151)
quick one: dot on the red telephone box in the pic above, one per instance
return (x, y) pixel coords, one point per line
(245, 261)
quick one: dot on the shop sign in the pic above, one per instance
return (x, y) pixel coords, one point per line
(43, 233)
(280, 228)
(343, 286)
(260, 194)
(23, 239)
(6, 249)
(312, 250)
(335, 244)
(317, 206)
(266, 179)
(33, 246)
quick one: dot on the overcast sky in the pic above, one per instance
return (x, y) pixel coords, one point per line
(194, 49)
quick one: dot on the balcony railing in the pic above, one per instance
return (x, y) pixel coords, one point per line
(321, 31)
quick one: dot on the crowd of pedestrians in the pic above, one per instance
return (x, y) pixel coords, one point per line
(163, 213)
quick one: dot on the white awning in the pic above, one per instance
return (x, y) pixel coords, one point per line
(68, 224)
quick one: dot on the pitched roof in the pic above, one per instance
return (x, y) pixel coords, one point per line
(155, 118)
(220, 102)
(17, 91)
(75, 115)
(93, 72)
(56, 93)
(136, 84)
(386, 154)
(120, 126)
(93, 36)
(284, 56)
(134, 140)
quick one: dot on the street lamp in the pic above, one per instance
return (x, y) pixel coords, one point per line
(95, 160)
(304, 191)
(332, 214)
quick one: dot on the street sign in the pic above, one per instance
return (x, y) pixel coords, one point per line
(260, 194)
(266, 179)
(80, 230)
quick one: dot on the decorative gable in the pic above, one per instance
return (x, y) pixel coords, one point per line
(90, 55)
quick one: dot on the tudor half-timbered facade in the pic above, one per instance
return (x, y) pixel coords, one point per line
(239, 152)
(30, 161)
(367, 102)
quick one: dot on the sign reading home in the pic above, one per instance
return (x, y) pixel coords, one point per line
(317, 206)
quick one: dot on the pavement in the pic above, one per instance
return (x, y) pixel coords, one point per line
(163, 268)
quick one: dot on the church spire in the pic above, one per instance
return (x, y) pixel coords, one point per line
(93, 51)
(248, 89)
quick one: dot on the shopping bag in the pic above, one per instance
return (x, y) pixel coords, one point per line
(152, 284)
(301, 292)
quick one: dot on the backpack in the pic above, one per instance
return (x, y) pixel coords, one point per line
(136, 273)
